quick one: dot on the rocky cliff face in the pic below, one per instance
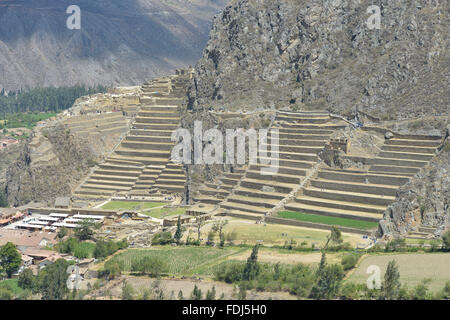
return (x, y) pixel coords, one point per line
(322, 55)
(120, 41)
(425, 200)
(50, 164)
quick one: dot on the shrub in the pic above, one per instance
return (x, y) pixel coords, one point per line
(162, 238)
(349, 261)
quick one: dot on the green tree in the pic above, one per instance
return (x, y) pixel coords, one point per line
(391, 285)
(10, 259)
(3, 199)
(196, 294)
(334, 237)
(329, 280)
(54, 281)
(62, 232)
(180, 295)
(446, 240)
(179, 233)
(26, 279)
(211, 294)
(84, 230)
(251, 269)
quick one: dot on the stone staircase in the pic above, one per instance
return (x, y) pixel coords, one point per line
(301, 137)
(140, 166)
(365, 195)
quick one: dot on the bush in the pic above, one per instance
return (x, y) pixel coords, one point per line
(395, 245)
(446, 240)
(6, 294)
(162, 238)
(230, 272)
(349, 261)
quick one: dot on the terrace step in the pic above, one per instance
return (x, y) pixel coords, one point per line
(420, 150)
(398, 163)
(143, 153)
(378, 189)
(144, 132)
(280, 170)
(318, 131)
(333, 212)
(260, 202)
(144, 160)
(150, 139)
(259, 194)
(142, 145)
(243, 207)
(113, 178)
(259, 184)
(417, 143)
(206, 199)
(243, 215)
(362, 178)
(285, 178)
(117, 173)
(345, 205)
(394, 170)
(355, 197)
(154, 120)
(407, 156)
(287, 163)
(111, 183)
(155, 126)
(105, 187)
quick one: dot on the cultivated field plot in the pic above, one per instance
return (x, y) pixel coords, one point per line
(352, 223)
(181, 261)
(272, 234)
(413, 268)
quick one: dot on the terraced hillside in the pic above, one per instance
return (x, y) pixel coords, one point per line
(301, 137)
(96, 125)
(140, 166)
(365, 195)
(305, 184)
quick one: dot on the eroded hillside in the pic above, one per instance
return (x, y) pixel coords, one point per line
(120, 42)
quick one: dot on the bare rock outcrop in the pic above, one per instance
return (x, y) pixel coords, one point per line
(425, 200)
(321, 55)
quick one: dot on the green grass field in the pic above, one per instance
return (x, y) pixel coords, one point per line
(25, 120)
(344, 222)
(12, 285)
(186, 261)
(130, 205)
(160, 213)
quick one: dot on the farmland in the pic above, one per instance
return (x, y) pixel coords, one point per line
(272, 234)
(180, 261)
(352, 223)
(413, 268)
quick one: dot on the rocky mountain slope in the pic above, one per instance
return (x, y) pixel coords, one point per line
(425, 200)
(322, 55)
(120, 41)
